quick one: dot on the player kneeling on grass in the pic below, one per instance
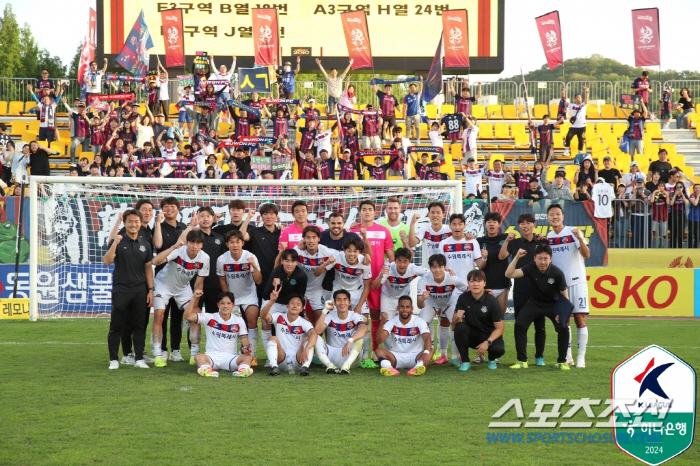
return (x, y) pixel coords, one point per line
(478, 322)
(223, 330)
(290, 349)
(182, 263)
(411, 345)
(344, 333)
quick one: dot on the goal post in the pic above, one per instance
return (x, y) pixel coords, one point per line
(71, 219)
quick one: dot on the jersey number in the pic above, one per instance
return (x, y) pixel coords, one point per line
(452, 125)
(603, 200)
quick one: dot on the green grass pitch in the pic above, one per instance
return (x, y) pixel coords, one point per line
(60, 405)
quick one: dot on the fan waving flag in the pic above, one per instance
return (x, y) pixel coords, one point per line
(550, 34)
(88, 53)
(357, 39)
(647, 42)
(134, 55)
(433, 85)
(172, 35)
(266, 36)
(456, 29)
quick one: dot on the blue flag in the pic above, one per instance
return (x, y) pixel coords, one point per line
(432, 86)
(134, 55)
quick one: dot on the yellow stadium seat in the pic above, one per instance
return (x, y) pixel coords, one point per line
(619, 113)
(397, 112)
(400, 125)
(224, 127)
(540, 111)
(522, 112)
(19, 126)
(522, 141)
(677, 160)
(29, 105)
(510, 112)
(642, 162)
(142, 110)
(495, 157)
(622, 162)
(486, 131)
(670, 148)
(553, 110)
(517, 128)
(592, 112)
(697, 132)
(28, 136)
(688, 170)
(15, 108)
(33, 125)
(603, 128)
(599, 150)
(431, 111)
(557, 140)
(494, 112)
(446, 109)
(619, 129)
(456, 151)
(478, 111)
(321, 108)
(607, 111)
(501, 130)
(654, 130)
(693, 118)
(424, 129)
(60, 146)
(173, 110)
(3, 107)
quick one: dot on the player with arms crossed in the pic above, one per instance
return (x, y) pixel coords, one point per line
(411, 345)
(183, 263)
(239, 272)
(569, 251)
(223, 330)
(437, 294)
(344, 333)
(289, 348)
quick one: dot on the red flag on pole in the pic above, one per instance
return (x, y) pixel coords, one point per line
(173, 37)
(647, 42)
(550, 34)
(357, 39)
(266, 36)
(455, 30)
(88, 53)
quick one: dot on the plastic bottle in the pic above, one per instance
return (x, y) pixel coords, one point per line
(290, 364)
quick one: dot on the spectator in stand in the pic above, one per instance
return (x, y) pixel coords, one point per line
(310, 112)
(581, 193)
(163, 91)
(521, 177)
(694, 218)
(586, 173)
(563, 106)
(532, 192)
(421, 168)
(471, 132)
(685, 107)
(45, 85)
(255, 102)
(411, 109)
(308, 137)
(47, 116)
(144, 131)
(14, 163)
(223, 90)
(642, 87)
(93, 79)
(495, 178)
(666, 106)
(307, 167)
(578, 121)
(464, 101)
(544, 134)
(635, 132)
(128, 132)
(204, 120)
(557, 190)
(679, 199)
(349, 98)
(621, 217)
(398, 164)
(371, 124)
(348, 167)
(322, 141)
(183, 119)
(628, 178)
(335, 85)
(80, 123)
(387, 104)
(661, 166)
(435, 173)
(659, 216)
(285, 78)
(453, 126)
(610, 175)
(639, 198)
(39, 160)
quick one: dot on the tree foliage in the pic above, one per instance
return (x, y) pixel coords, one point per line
(10, 51)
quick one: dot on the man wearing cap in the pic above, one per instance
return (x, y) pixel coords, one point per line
(158, 126)
(81, 128)
(558, 189)
(371, 127)
(628, 178)
(635, 132)
(285, 78)
(610, 175)
(642, 86)
(204, 120)
(578, 121)
(639, 198)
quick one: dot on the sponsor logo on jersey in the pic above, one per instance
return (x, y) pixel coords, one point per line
(401, 281)
(560, 240)
(458, 247)
(230, 328)
(405, 331)
(237, 267)
(342, 327)
(188, 265)
(293, 329)
(348, 270)
(312, 262)
(440, 289)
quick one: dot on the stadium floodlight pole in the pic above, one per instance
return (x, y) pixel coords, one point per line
(455, 187)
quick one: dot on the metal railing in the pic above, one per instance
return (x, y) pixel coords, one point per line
(599, 90)
(625, 87)
(677, 85)
(543, 92)
(630, 225)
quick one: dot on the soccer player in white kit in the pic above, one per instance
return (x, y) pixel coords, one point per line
(411, 345)
(239, 272)
(351, 273)
(184, 262)
(431, 234)
(463, 255)
(437, 295)
(344, 333)
(569, 250)
(395, 281)
(289, 349)
(223, 330)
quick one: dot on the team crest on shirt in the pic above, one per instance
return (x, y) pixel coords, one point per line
(413, 331)
(217, 241)
(550, 281)
(142, 248)
(292, 282)
(484, 309)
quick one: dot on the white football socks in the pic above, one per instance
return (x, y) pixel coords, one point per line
(354, 352)
(157, 349)
(582, 340)
(568, 351)
(322, 353)
(443, 338)
(367, 344)
(309, 357)
(265, 334)
(419, 363)
(194, 350)
(253, 339)
(271, 350)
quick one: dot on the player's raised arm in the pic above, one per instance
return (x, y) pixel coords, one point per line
(511, 271)
(192, 307)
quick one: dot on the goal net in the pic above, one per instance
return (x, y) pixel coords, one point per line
(72, 222)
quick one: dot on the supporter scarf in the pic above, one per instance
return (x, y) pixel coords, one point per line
(343, 108)
(247, 108)
(394, 81)
(376, 152)
(124, 77)
(431, 149)
(280, 101)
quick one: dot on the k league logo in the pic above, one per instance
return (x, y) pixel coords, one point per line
(552, 39)
(646, 35)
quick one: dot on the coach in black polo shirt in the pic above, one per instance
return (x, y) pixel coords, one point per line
(290, 276)
(495, 267)
(214, 246)
(547, 282)
(132, 288)
(262, 242)
(237, 210)
(478, 322)
(521, 286)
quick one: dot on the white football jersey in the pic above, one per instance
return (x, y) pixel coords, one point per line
(461, 255)
(441, 293)
(349, 277)
(179, 270)
(431, 239)
(239, 276)
(222, 335)
(339, 330)
(406, 338)
(495, 180)
(602, 195)
(309, 263)
(566, 255)
(472, 180)
(289, 333)
(397, 285)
